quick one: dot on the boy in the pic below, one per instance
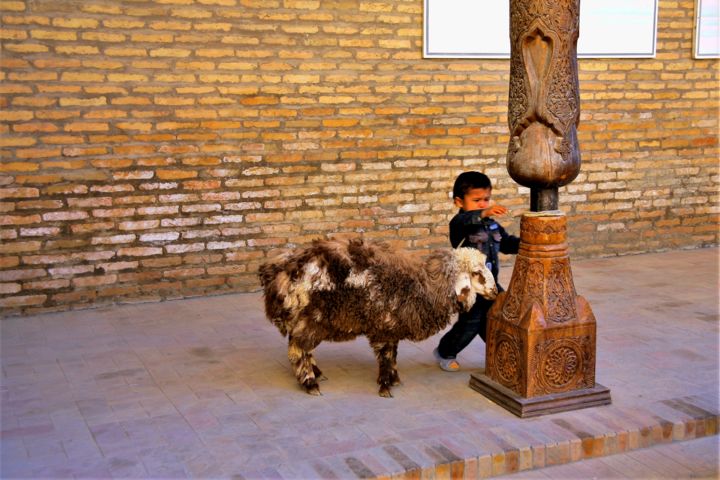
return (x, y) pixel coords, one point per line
(474, 227)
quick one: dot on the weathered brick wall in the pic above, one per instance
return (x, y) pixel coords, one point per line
(162, 149)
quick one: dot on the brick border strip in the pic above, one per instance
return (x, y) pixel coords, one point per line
(644, 428)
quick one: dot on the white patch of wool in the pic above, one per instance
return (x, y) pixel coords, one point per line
(317, 277)
(358, 280)
(314, 278)
(464, 290)
(469, 259)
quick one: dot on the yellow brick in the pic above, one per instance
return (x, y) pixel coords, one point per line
(103, 37)
(175, 174)
(126, 77)
(18, 167)
(75, 22)
(25, 20)
(301, 4)
(219, 78)
(10, 34)
(83, 102)
(82, 77)
(176, 125)
(123, 24)
(109, 9)
(25, 48)
(86, 127)
(170, 78)
(77, 49)
(395, 43)
(125, 52)
(34, 101)
(215, 52)
(12, 6)
(170, 52)
(6, 141)
(152, 37)
(224, 27)
(171, 25)
(241, 40)
(33, 76)
(224, 3)
(142, 126)
(375, 7)
(190, 13)
(301, 78)
(52, 35)
(15, 115)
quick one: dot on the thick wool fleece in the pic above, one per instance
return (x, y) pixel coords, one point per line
(337, 290)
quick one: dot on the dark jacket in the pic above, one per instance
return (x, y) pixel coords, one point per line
(485, 234)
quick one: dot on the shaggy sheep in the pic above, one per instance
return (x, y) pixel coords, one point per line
(336, 290)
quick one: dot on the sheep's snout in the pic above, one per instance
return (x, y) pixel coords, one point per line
(469, 285)
(484, 284)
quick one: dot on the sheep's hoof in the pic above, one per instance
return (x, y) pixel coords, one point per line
(385, 392)
(313, 390)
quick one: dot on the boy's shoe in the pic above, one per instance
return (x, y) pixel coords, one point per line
(447, 364)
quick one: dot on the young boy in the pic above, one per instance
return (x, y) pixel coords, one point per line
(474, 227)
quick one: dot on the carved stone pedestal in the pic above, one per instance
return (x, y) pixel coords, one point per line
(540, 355)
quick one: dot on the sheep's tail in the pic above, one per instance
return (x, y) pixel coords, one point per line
(274, 283)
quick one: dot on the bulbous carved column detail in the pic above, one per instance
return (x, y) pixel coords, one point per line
(544, 98)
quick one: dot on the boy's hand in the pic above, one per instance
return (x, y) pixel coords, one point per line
(494, 210)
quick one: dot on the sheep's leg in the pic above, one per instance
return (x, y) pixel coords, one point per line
(303, 367)
(386, 377)
(395, 376)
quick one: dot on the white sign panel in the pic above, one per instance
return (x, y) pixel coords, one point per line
(707, 29)
(481, 28)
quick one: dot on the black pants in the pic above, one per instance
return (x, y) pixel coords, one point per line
(463, 332)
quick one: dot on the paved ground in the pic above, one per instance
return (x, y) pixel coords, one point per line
(202, 388)
(691, 459)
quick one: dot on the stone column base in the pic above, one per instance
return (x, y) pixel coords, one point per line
(542, 405)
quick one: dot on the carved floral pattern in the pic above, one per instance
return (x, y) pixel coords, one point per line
(561, 301)
(563, 364)
(511, 307)
(535, 228)
(560, 366)
(504, 360)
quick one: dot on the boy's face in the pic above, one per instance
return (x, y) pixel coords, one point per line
(474, 199)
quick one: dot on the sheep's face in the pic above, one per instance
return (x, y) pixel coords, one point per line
(473, 278)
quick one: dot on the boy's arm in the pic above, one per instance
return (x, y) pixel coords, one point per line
(457, 232)
(509, 244)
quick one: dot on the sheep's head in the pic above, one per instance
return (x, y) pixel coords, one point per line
(473, 277)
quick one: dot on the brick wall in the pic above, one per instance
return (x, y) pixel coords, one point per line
(163, 149)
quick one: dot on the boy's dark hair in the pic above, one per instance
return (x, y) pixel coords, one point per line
(466, 181)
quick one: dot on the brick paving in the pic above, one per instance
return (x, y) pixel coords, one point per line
(202, 388)
(696, 458)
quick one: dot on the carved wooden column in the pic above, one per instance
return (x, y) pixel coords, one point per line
(540, 355)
